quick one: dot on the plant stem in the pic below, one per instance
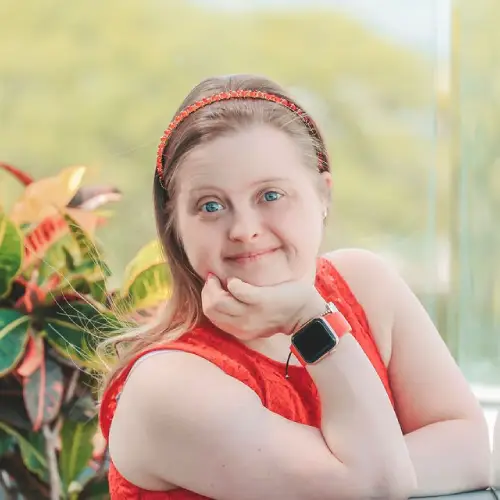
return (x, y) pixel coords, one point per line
(50, 449)
(72, 386)
(11, 492)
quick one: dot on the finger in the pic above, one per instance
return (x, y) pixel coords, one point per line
(215, 298)
(231, 307)
(212, 284)
(210, 291)
(244, 292)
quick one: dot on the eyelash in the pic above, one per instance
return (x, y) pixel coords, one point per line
(262, 195)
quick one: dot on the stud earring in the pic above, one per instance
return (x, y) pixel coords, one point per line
(325, 213)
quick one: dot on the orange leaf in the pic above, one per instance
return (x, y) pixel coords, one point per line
(88, 221)
(42, 237)
(33, 357)
(47, 196)
(42, 392)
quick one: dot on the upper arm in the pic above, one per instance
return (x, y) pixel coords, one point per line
(185, 422)
(426, 382)
(428, 385)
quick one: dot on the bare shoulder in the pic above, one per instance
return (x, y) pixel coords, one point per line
(183, 421)
(358, 264)
(372, 280)
(163, 393)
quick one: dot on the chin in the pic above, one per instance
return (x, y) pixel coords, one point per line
(266, 281)
(268, 273)
(264, 277)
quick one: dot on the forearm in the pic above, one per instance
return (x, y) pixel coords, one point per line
(450, 456)
(358, 422)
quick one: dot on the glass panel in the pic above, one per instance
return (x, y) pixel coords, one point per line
(475, 232)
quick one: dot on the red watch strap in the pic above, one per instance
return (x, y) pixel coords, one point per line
(296, 353)
(338, 323)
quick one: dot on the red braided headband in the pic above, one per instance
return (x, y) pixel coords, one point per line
(237, 94)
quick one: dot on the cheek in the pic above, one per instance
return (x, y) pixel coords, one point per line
(300, 223)
(200, 243)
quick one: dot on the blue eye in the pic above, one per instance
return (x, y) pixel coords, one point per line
(272, 196)
(211, 206)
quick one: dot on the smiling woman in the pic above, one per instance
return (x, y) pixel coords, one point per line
(201, 405)
(245, 227)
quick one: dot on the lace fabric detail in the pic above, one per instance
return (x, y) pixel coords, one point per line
(295, 398)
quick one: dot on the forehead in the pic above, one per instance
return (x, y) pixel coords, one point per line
(242, 158)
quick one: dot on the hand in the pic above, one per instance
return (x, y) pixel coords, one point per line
(248, 312)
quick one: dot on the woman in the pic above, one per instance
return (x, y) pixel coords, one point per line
(370, 405)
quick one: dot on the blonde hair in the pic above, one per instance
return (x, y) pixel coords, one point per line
(183, 310)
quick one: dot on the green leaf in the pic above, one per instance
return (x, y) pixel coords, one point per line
(149, 255)
(13, 338)
(32, 450)
(81, 408)
(6, 442)
(88, 249)
(12, 410)
(147, 280)
(66, 260)
(98, 290)
(70, 256)
(77, 448)
(75, 328)
(43, 391)
(11, 253)
(96, 489)
(55, 259)
(31, 454)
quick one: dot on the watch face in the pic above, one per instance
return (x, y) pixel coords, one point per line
(314, 340)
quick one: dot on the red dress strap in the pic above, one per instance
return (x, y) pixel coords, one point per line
(219, 349)
(333, 287)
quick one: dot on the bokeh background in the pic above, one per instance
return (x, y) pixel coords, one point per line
(407, 94)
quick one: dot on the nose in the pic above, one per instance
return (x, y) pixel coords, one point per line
(245, 225)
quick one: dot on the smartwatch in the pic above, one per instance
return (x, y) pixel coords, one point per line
(319, 336)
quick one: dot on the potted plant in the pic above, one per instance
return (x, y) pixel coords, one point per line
(55, 306)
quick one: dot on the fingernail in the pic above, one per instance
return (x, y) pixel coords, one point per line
(210, 275)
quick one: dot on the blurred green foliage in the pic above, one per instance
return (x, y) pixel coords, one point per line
(96, 83)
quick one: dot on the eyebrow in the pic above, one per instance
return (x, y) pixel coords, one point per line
(208, 187)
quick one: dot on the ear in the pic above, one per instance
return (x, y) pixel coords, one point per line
(326, 186)
(327, 179)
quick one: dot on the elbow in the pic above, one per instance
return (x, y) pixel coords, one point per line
(477, 466)
(481, 471)
(396, 483)
(393, 485)
(395, 480)
(352, 483)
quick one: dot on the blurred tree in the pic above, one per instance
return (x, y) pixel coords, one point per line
(97, 82)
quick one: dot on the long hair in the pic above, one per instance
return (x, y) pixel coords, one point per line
(183, 310)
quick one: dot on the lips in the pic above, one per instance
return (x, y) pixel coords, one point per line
(244, 257)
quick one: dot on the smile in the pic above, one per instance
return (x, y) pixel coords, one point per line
(247, 257)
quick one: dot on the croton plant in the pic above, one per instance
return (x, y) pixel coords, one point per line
(55, 306)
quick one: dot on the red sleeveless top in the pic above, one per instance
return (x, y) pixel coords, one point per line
(295, 398)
